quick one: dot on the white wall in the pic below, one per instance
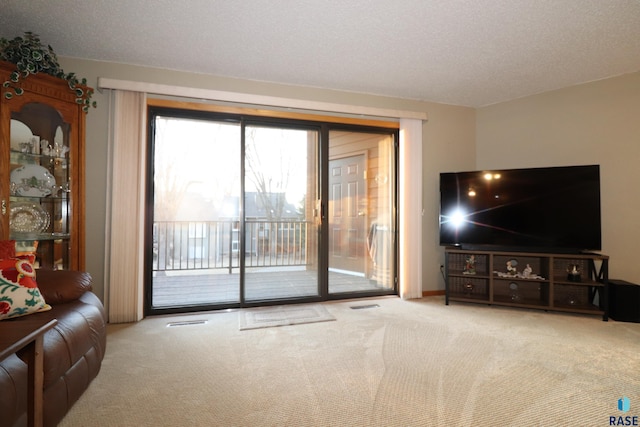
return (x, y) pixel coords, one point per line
(449, 145)
(594, 123)
(448, 139)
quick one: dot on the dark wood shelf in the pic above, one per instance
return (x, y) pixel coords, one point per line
(469, 298)
(524, 302)
(578, 308)
(470, 276)
(564, 282)
(501, 279)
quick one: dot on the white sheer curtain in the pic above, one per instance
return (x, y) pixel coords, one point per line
(410, 176)
(125, 216)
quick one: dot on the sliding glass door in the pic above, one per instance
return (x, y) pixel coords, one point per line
(196, 183)
(280, 255)
(248, 211)
(361, 212)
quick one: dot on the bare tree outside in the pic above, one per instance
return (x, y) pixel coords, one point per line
(276, 182)
(269, 160)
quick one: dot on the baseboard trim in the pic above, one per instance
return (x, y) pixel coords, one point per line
(432, 293)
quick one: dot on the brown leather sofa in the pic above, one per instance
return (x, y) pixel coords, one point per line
(73, 349)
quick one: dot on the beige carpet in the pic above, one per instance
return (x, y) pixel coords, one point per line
(283, 315)
(404, 363)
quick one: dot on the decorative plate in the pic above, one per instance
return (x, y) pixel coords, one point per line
(32, 181)
(20, 133)
(28, 217)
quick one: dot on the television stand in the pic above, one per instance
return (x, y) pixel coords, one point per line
(575, 283)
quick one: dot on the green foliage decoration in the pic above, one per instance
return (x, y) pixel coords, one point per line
(31, 57)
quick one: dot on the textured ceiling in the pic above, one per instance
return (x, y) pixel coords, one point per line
(462, 52)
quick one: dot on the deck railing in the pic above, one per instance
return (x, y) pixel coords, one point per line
(199, 245)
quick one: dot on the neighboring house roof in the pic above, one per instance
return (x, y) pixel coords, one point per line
(195, 208)
(255, 205)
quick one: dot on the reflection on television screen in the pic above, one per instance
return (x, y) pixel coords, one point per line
(554, 208)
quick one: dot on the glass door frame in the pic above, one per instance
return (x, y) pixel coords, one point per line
(263, 122)
(325, 189)
(322, 161)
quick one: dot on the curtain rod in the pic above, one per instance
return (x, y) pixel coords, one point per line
(245, 98)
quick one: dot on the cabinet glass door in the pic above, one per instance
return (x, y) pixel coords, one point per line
(40, 187)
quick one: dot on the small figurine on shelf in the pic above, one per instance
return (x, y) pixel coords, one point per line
(573, 273)
(515, 295)
(35, 144)
(25, 147)
(44, 147)
(468, 288)
(512, 271)
(470, 265)
(60, 150)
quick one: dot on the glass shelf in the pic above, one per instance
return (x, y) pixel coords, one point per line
(17, 155)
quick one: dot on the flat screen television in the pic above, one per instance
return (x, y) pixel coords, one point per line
(550, 209)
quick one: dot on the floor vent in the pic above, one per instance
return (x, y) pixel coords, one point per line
(360, 307)
(187, 323)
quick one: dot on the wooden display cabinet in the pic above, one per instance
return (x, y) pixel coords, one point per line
(574, 283)
(42, 170)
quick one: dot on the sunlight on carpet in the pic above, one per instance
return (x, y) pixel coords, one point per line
(268, 317)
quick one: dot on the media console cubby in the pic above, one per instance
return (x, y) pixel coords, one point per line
(574, 283)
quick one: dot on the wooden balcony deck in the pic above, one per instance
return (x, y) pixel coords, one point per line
(206, 287)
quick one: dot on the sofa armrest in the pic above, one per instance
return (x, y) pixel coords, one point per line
(61, 286)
